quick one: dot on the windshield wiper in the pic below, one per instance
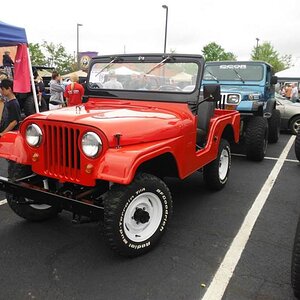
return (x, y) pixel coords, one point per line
(108, 65)
(238, 75)
(213, 76)
(160, 64)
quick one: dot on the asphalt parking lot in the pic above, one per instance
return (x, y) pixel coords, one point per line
(59, 260)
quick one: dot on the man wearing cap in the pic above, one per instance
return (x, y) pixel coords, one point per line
(113, 83)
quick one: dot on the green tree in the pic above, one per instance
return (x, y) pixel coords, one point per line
(36, 55)
(59, 58)
(214, 52)
(266, 52)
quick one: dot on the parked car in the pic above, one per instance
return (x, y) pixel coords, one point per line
(109, 156)
(248, 87)
(290, 113)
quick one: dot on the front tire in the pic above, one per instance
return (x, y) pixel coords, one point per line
(295, 270)
(136, 215)
(256, 138)
(215, 174)
(297, 146)
(30, 212)
(274, 126)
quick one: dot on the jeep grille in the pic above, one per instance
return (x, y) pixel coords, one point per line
(61, 151)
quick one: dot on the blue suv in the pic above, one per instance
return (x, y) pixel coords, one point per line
(248, 86)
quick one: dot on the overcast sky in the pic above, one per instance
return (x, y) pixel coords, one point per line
(132, 26)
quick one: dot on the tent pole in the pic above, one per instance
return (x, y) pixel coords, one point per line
(32, 83)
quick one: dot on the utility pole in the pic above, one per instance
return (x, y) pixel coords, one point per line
(166, 26)
(78, 62)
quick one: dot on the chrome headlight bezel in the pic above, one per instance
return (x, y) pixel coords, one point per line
(91, 144)
(233, 99)
(34, 135)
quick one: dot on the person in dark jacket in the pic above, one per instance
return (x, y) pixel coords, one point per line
(12, 106)
(7, 61)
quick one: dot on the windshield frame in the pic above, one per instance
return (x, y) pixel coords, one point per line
(153, 95)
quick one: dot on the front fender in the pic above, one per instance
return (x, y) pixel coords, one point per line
(270, 105)
(12, 148)
(120, 165)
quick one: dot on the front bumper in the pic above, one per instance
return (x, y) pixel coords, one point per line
(38, 195)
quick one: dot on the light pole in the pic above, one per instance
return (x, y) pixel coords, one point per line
(257, 40)
(78, 64)
(166, 27)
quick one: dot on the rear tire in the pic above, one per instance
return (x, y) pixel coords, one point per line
(297, 146)
(256, 138)
(136, 215)
(215, 174)
(295, 270)
(30, 212)
(295, 125)
(274, 126)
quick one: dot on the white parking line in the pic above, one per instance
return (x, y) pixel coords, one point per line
(3, 202)
(266, 157)
(223, 275)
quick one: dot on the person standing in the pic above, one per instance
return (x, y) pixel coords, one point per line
(288, 91)
(8, 64)
(113, 83)
(13, 117)
(56, 90)
(294, 93)
(74, 91)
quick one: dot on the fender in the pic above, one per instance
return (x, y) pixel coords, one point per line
(270, 105)
(120, 165)
(12, 148)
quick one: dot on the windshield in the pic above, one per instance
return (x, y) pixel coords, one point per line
(233, 72)
(161, 76)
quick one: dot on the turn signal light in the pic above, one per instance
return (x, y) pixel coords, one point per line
(35, 157)
(89, 168)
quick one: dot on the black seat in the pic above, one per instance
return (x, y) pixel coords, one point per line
(205, 112)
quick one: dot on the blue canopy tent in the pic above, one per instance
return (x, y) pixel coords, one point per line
(16, 36)
(11, 35)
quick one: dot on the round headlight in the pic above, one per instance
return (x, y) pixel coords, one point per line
(233, 99)
(34, 135)
(91, 144)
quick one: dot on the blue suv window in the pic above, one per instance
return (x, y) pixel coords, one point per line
(233, 72)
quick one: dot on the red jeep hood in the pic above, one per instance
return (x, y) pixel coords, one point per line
(136, 124)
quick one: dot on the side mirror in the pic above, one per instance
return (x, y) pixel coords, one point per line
(274, 79)
(212, 92)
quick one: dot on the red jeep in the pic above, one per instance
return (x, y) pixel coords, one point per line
(108, 157)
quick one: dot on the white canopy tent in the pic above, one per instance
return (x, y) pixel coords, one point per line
(125, 71)
(79, 73)
(290, 74)
(182, 76)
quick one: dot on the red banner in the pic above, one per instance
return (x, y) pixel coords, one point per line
(21, 70)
